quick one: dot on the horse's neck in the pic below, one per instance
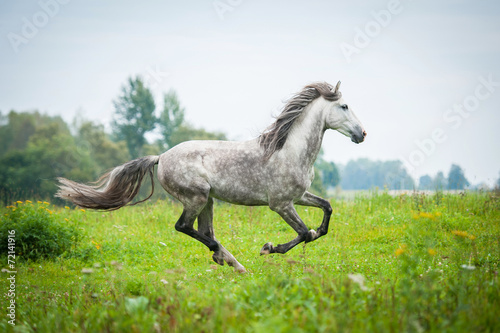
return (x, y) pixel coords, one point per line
(304, 140)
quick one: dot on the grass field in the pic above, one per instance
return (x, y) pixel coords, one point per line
(410, 263)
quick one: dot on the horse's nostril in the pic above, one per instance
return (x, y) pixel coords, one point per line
(364, 133)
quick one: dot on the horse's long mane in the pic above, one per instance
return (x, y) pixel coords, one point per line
(274, 137)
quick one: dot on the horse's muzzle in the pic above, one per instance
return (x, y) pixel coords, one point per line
(359, 136)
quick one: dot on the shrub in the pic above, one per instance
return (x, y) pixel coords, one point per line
(39, 232)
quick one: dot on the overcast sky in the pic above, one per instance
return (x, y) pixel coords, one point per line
(423, 76)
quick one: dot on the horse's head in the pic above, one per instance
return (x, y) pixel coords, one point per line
(340, 117)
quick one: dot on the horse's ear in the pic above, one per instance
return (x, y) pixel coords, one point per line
(336, 90)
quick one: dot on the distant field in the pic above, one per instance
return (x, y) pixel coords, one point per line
(403, 263)
(341, 194)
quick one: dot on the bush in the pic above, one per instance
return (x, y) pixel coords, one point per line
(39, 232)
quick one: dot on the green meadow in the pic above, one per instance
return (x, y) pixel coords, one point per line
(408, 263)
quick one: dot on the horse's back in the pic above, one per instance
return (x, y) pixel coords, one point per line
(227, 170)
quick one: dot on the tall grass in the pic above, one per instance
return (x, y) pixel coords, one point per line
(410, 263)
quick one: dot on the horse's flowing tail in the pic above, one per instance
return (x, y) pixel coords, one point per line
(114, 189)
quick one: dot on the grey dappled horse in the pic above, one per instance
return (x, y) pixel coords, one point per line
(275, 169)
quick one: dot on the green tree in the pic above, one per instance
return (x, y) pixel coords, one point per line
(329, 174)
(105, 153)
(326, 173)
(317, 184)
(456, 178)
(439, 181)
(134, 115)
(395, 175)
(187, 132)
(171, 118)
(50, 152)
(18, 127)
(365, 174)
(425, 183)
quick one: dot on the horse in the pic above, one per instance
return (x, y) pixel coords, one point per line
(275, 169)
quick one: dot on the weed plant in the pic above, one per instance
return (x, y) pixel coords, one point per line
(39, 233)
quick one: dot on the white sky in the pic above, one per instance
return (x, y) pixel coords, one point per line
(233, 73)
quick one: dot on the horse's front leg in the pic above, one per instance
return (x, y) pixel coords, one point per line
(289, 214)
(311, 200)
(205, 227)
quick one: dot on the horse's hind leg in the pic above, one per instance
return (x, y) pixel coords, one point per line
(185, 225)
(205, 227)
(205, 224)
(193, 206)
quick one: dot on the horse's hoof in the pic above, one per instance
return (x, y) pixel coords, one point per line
(312, 235)
(237, 266)
(267, 249)
(218, 258)
(240, 270)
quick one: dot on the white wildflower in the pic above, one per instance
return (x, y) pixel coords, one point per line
(469, 267)
(359, 280)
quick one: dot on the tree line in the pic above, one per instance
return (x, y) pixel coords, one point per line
(364, 173)
(456, 180)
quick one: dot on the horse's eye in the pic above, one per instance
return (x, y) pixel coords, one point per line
(344, 107)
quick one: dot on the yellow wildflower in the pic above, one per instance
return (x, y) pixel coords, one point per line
(46, 203)
(10, 207)
(19, 202)
(459, 233)
(97, 246)
(82, 210)
(399, 252)
(432, 252)
(66, 207)
(417, 215)
(463, 234)
(27, 201)
(427, 215)
(39, 201)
